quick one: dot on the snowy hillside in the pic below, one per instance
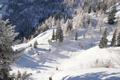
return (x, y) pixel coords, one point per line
(60, 40)
(68, 60)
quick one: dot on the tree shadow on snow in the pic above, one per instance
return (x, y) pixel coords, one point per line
(95, 76)
(29, 62)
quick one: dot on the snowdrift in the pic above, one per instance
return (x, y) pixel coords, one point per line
(93, 58)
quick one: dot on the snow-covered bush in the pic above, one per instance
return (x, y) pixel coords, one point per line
(107, 64)
(35, 44)
(50, 78)
(21, 76)
(76, 36)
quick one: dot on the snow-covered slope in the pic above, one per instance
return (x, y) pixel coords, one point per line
(90, 65)
(98, 58)
(70, 60)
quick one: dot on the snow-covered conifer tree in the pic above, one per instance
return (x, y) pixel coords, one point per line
(7, 55)
(104, 40)
(59, 32)
(53, 35)
(111, 16)
(113, 42)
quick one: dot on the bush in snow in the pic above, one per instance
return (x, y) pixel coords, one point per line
(35, 44)
(113, 42)
(50, 78)
(99, 63)
(21, 76)
(104, 40)
(76, 36)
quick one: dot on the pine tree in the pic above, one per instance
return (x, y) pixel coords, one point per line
(7, 55)
(113, 42)
(53, 35)
(111, 16)
(76, 36)
(104, 40)
(59, 34)
(118, 40)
